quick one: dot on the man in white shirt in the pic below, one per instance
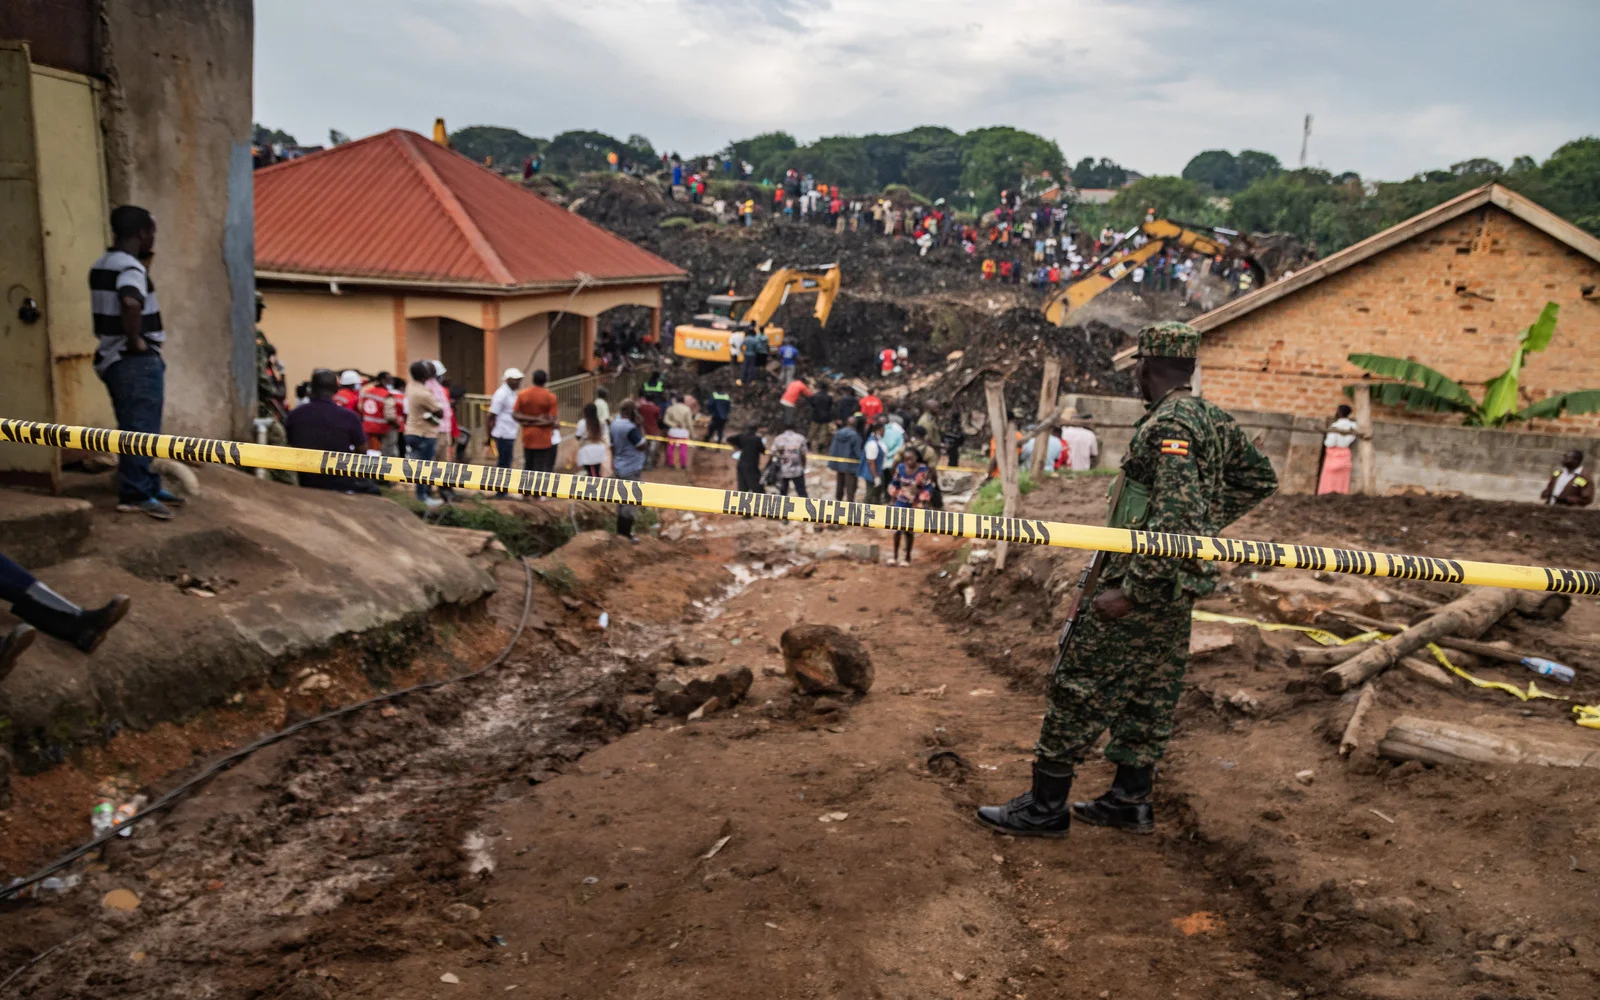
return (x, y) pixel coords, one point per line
(1568, 486)
(1081, 443)
(503, 428)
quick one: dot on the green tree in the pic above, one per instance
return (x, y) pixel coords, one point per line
(1307, 202)
(1254, 165)
(935, 172)
(1568, 183)
(639, 149)
(1418, 387)
(506, 146)
(580, 151)
(260, 135)
(1215, 168)
(1171, 197)
(1104, 174)
(997, 159)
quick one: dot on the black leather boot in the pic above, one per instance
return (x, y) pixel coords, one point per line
(53, 614)
(1039, 812)
(1126, 806)
(12, 645)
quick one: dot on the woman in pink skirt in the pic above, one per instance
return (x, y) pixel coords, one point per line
(1336, 453)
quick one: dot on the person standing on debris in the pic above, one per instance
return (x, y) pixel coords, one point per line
(592, 448)
(788, 357)
(1189, 470)
(720, 407)
(503, 429)
(43, 609)
(679, 420)
(655, 389)
(847, 405)
(821, 417)
(650, 421)
(872, 465)
(789, 451)
(910, 485)
(538, 411)
(928, 420)
(349, 394)
(792, 394)
(953, 437)
(886, 361)
(894, 441)
(1335, 477)
(602, 403)
(1568, 486)
(871, 406)
(845, 452)
(750, 447)
(627, 459)
(761, 346)
(127, 324)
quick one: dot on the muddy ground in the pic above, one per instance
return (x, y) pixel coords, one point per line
(542, 832)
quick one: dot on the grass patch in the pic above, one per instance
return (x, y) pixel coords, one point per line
(559, 577)
(519, 536)
(675, 222)
(989, 502)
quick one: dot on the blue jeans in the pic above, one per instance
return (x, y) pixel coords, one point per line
(420, 449)
(137, 387)
(14, 580)
(504, 450)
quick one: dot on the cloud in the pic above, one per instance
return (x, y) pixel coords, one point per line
(1394, 87)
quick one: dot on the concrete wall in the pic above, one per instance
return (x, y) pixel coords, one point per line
(1455, 298)
(318, 330)
(524, 344)
(177, 122)
(1490, 465)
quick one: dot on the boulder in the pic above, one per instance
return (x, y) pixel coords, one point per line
(821, 659)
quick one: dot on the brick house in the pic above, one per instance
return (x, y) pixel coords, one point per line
(1451, 288)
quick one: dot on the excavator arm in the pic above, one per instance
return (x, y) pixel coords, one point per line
(1162, 234)
(823, 280)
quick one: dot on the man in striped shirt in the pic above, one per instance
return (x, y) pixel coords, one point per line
(127, 321)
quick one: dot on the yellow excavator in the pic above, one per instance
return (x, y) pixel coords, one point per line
(706, 338)
(1162, 235)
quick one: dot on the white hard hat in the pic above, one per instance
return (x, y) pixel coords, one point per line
(349, 377)
(512, 373)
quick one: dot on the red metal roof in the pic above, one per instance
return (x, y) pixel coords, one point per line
(399, 207)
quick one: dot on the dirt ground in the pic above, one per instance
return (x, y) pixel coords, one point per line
(542, 832)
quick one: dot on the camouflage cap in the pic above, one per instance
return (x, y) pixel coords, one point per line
(1169, 339)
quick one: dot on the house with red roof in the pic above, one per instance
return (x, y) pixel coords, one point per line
(393, 248)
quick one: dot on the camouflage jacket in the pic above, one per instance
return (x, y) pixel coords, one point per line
(1202, 474)
(270, 385)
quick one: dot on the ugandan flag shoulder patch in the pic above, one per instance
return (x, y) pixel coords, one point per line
(1175, 446)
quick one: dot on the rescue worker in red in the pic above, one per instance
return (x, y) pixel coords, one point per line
(380, 416)
(349, 393)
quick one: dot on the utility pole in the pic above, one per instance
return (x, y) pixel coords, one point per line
(1305, 137)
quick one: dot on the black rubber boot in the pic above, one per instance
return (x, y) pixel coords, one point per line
(1040, 812)
(1126, 806)
(12, 645)
(53, 614)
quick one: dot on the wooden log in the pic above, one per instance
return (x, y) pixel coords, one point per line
(1411, 738)
(1352, 729)
(1468, 616)
(1549, 607)
(1323, 656)
(1005, 455)
(1428, 671)
(1365, 462)
(1048, 390)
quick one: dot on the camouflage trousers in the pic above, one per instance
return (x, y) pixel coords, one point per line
(1124, 675)
(277, 436)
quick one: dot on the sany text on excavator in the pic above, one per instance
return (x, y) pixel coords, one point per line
(1162, 235)
(706, 339)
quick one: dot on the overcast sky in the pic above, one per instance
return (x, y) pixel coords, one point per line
(1395, 86)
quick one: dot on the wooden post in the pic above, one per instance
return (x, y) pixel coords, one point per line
(1366, 465)
(1048, 391)
(1005, 454)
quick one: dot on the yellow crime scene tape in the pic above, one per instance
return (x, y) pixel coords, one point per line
(664, 496)
(810, 456)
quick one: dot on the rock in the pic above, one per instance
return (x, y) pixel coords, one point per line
(1490, 969)
(451, 978)
(862, 552)
(1396, 913)
(673, 697)
(121, 899)
(683, 658)
(461, 913)
(822, 659)
(1297, 600)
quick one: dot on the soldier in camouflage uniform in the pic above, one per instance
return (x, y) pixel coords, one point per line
(271, 391)
(1189, 470)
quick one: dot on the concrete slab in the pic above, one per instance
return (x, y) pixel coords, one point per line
(292, 570)
(38, 530)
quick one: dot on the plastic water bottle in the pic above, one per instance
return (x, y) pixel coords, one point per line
(1549, 668)
(103, 817)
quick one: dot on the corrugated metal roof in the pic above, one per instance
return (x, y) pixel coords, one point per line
(398, 207)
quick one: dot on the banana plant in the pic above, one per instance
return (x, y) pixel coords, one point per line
(1420, 388)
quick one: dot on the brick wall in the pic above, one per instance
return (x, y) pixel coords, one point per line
(1454, 298)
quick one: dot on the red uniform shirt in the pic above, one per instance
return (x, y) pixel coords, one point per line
(871, 406)
(347, 398)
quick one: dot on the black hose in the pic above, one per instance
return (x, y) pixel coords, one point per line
(233, 757)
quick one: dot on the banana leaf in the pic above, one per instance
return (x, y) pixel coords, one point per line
(1500, 393)
(1552, 407)
(1435, 383)
(1537, 337)
(1414, 397)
